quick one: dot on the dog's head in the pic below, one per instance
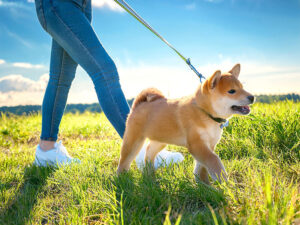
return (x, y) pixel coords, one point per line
(225, 94)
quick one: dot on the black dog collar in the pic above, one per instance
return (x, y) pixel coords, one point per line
(223, 122)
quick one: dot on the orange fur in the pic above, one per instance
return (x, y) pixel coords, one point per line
(183, 122)
(147, 95)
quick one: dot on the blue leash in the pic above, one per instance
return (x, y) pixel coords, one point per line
(188, 61)
(128, 9)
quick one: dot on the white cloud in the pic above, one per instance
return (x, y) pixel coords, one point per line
(167, 79)
(30, 1)
(23, 65)
(16, 89)
(213, 1)
(176, 81)
(110, 4)
(191, 6)
(12, 4)
(19, 83)
(262, 78)
(27, 65)
(18, 38)
(21, 98)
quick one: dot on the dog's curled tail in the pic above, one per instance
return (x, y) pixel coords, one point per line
(147, 95)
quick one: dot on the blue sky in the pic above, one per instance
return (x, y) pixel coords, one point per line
(263, 35)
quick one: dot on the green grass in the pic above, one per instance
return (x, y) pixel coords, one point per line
(260, 152)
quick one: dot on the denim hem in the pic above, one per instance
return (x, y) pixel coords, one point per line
(48, 139)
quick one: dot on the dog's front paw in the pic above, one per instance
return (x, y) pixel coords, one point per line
(198, 179)
(121, 170)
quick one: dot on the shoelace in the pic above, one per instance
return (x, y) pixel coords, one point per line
(61, 149)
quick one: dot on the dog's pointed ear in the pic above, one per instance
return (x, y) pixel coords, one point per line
(235, 71)
(214, 79)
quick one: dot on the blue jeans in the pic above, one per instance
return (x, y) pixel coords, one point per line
(75, 42)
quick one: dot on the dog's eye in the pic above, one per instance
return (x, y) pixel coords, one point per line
(232, 91)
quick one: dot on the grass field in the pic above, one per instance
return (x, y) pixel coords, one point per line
(260, 152)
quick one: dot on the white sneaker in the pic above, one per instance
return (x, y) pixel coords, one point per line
(163, 158)
(56, 156)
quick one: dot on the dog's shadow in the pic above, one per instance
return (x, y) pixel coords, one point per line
(18, 209)
(149, 196)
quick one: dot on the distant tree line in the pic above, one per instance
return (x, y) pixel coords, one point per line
(81, 108)
(276, 98)
(71, 108)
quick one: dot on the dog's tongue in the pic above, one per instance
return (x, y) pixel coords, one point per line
(245, 109)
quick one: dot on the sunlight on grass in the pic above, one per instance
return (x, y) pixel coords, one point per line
(260, 153)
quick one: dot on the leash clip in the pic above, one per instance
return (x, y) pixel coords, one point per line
(223, 125)
(188, 61)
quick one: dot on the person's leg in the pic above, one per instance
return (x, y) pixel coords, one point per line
(73, 31)
(69, 25)
(62, 73)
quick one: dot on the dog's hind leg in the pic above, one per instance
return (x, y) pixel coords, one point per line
(131, 146)
(200, 173)
(153, 148)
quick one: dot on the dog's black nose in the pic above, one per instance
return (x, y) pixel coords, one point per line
(251, 98)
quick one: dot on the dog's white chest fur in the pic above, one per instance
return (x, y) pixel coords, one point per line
(211, 135)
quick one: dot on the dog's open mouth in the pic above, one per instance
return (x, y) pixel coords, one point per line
(244, 109)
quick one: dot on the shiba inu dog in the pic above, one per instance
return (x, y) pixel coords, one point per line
(194, 122)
